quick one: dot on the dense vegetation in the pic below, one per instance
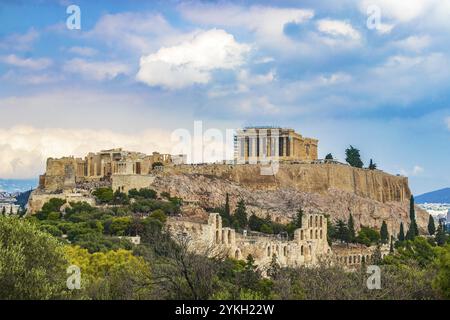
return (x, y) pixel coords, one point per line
(36, 251)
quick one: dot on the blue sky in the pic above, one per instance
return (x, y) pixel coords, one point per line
(137, 70)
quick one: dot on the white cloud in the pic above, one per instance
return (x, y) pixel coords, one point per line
(338, 28)
(246, 80)
(192, 61)
(139, 33)
(30, 78)
(19, 41)
(257, 105)
(96, 70)
(400, 10)
(83, 51)
(25, 149)
(414, 43)
(417, 170)
(28, 63)
(267, 23)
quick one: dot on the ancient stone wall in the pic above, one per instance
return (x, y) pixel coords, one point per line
(309, 177)
(309, 243)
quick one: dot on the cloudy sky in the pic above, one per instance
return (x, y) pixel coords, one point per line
(371, 73)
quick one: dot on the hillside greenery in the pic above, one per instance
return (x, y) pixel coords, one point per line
(36, 251)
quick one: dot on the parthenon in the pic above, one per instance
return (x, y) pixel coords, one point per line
(258, 144)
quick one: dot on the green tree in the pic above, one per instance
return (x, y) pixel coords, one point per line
(342, 232)
(240, 214)
(104, 195)
(329, 156)
(159, 214)
(442, 280)
(391, 246)
(353, 157)
(4, 211)
(351, 229)
(32, 263)
(413, 230)
(440, 235)
(266, 228)
(384, 234)
(372, 165)
(431, 226)
(298, 218)
(401, 234)
(227, 211)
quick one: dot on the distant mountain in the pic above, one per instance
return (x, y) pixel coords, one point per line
(17, 185)
(438, 196)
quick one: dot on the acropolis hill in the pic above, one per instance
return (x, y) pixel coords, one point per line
(302, 181)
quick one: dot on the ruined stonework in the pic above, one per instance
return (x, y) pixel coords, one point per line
(263, 144)
(308, 246)
(69, 172)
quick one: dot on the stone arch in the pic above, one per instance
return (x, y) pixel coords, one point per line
(310, 221)
(321, 222)
(310, 234)
(268, 251)
(316, 235)
(350, 260)
(229, 236)
(310, 250)
(285, 251)
(301, 234)
(321, 235)
(316, 221)
(217, 236)
(301, 251)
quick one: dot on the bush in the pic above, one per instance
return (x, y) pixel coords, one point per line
(159, 215)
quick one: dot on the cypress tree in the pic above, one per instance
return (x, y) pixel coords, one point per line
(227, 212)
(342, 231)
(412, 216)
(431, 226)
(240, 214)
(391, 247)
(298, 218)
(440, 235)
(4, 211)
(384, 234)
(351, 229)
(401, 235)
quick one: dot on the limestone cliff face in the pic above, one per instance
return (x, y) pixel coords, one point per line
(337, 190)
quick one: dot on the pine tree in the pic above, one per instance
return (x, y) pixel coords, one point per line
(431, 226)
(391, 247)
(351, 229)
(401, 235)
(384, 234)
(329, 157)
(353, 157)
(240, 215)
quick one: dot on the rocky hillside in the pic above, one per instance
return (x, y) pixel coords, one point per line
(337, 190)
